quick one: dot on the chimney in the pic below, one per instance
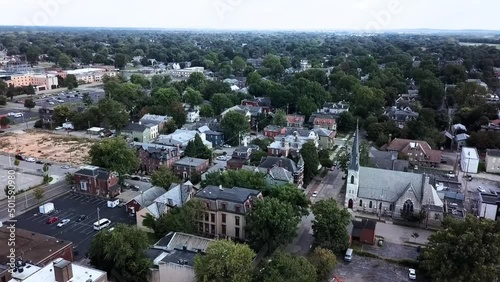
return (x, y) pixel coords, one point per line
(280, 163)
(220, 188)
(63, 270)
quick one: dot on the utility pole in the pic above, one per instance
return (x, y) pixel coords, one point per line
(98, 217)
(239, 139)
(287, 108)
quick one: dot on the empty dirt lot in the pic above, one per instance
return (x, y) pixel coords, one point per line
(47, 146)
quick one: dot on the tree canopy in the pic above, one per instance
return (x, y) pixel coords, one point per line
(330, 225)
(114, 154)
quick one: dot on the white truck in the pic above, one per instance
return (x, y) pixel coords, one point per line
(46, 208)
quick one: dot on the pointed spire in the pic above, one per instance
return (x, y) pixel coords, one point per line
(354, 165)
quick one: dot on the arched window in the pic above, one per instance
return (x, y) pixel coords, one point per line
(360, 203)
(370, 205)
(408, 207)
(352, 179)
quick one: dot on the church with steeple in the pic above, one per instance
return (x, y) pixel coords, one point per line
(387, 192)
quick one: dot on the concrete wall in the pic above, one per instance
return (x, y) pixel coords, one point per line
(488, 211)
(492, 164)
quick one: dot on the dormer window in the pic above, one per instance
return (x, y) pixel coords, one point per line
(237, 208)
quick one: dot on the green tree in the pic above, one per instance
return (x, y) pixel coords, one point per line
(179, 219)
(169, 127)
(324, 261)
(469, 247)
(273, 222)
(273, 63)
(192, 97)
(224, 260)
(64, 61)
(324, 158)
(70, 178)
(253, 78)
(61, 114)
(234, 125)
(86, 100)
(454, 74)
(330, 225)
(237, 178)
(343, 158)
(4, 121)
(16, 162)
(178, 114)
(3, 100)
(3, 87)
(114, 154)
(279, 118)
(196, 149)
(306, 106)
(123, 251)
(112, 114)
(256, 157)
(159, 81)
(346, 122)
(29, 103)
(126, 93)
(71, 81)
(289, 193)
(310, 156)
(140, 79)
(206, 110)
(238, 63)
(196, 81)
(220, 102)
(283, 267)
(166, 96)
(39, 194)
(163, 177)
(431, 92)
(121, 60)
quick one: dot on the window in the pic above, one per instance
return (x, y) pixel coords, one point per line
(206, 227)
(212, 217)
(200, 227)
(237, 220)
(352, 179)
(224, 206)
(391, 207)
(370, 205)
(237, 208)
(223, 218)
(237, 232)
(223, 231)
(360, 203)
(206, 216)
(207, 204)
(212, 229)
(408, 207)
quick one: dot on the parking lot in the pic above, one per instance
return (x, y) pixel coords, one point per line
(23, 181)
(28, 115)
(364, 269)
(71, 206)
(69, 98)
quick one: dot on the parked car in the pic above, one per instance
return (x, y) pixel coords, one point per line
(226, 146)
(126, 185)
(221, 158)
(65, 166)
(136, 187)
(59, 128)
(39, 162)
(450, 174)
(81, 218)
(136, 178)
(63, 222)
(315, 193)
(412, 274)
(52, 220)
(19, 157)
(481, 189)
(30, 160)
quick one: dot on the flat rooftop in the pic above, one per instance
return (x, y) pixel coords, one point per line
(31, 246)
(46, 274)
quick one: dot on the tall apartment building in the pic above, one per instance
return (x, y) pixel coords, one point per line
(226, 210)
(39, 81)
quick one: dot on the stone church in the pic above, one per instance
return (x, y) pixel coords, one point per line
(387, 192)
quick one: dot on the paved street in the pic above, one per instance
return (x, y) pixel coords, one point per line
(54, 169)
(27, 200)
(71, 206)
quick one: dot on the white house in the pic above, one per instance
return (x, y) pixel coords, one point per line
(469, 160)
(192, 115)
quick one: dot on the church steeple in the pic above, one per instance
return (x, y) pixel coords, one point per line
(354, 165)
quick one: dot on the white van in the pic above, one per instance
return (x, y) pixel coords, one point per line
(348, 255)
(102, 223)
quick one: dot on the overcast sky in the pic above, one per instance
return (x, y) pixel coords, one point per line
(256, 14)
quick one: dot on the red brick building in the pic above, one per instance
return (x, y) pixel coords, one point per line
(364, 231)
(97, 181)
(326, 123)
(271, 131)
(153, 156)
(187, 167)
(239, 158)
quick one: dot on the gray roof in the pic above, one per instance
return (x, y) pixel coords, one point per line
(135, 127)
(493, 152)
(280, 173)
(235, 194)
(176, 196)
(190, 161)
(147, 197)
(323, 132)
(389, 185)
(270, 162)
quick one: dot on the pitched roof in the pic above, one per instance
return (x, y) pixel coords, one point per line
(280, 173)
(400, 145)
(176, 196)
(295, 118)
(270, 162)
(136, 127)
(235, 194)
(190, 161)
(147, 197)
(323, 132)
(354, 163)
(389, 185)
(493, 152)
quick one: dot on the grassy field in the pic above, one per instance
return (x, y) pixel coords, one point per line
(478, 44)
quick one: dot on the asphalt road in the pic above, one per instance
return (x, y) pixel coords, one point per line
(71, 206)
(54, 169)
(26, 201)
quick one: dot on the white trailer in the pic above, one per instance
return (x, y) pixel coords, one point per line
(46, 208)
(113, 203)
